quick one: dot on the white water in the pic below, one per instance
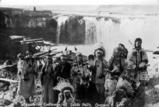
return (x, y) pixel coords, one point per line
(101, 31)
(61, 20)
(90, 30)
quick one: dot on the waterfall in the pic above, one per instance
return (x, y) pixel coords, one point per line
(90, 30)
(102, 30)
(61, 20)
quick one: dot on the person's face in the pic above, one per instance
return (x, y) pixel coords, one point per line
(99, 53)
(138, 44)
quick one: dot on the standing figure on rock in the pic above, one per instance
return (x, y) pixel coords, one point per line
(26, 74)
(138, 60)
(47, 82)
(101, 67)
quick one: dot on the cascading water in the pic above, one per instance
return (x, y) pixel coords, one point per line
(61, 20)
(90, 30)
(70, 30)
(102, 30)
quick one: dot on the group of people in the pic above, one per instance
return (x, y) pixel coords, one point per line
(95, 80)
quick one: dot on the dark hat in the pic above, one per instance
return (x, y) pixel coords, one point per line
(91, 56)
(138, 39)
(121, 44)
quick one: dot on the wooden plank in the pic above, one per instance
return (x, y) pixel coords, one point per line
(8, 80)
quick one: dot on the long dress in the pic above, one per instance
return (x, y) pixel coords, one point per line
(47, 82)
(26, 87)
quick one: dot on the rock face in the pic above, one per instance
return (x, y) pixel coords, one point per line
(8, 49)
(35, 24)
(29, 23)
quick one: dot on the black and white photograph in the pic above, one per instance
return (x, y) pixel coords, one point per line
(79, 53)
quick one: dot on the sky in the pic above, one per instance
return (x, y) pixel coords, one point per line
(77, 2)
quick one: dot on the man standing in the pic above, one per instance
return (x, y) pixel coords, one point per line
(26, 74)
(138, 60)
(47, 81)
(77, 73)
(117, 63)
(101, 69)
(64, 68)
